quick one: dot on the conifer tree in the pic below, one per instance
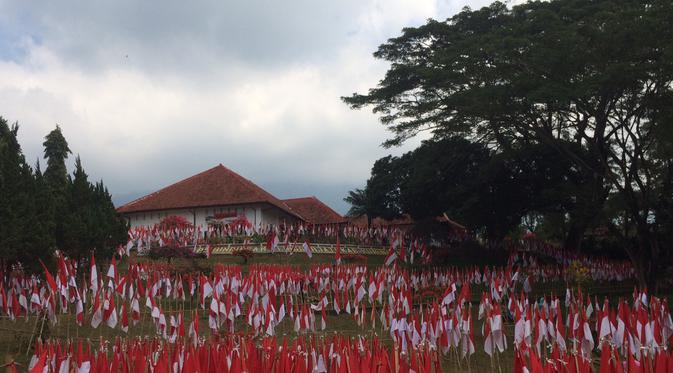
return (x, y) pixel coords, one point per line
(15, 186)
(40, 212)
(56, 151)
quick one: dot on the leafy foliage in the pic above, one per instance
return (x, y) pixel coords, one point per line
(591, 80)
(488, 191)
(172, 222)
(91, 220)
(380, 198)
(172, 251)
(245, 254)
(43, 212)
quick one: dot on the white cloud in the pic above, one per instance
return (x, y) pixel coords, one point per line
(148, 96)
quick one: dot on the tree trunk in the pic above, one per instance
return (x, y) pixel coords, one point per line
(654, 266)
(590, 199)
(645, 258)
(573, 240)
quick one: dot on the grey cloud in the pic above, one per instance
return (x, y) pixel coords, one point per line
(188, 35)
(254, 85)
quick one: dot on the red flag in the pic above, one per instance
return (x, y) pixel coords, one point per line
(605, 358)
(308, 249)
(634, 366)
(660, 362)
(50, 278)
(40, 365)
(535, 364)
(338, 250)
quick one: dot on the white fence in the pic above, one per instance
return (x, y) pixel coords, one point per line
(228, 249)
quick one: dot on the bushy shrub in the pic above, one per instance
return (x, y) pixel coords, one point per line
(243, 253)
(354, 258)
(172, 222)
(170, 252)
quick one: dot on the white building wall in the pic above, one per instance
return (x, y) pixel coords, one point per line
(255, 213)
(276, 216)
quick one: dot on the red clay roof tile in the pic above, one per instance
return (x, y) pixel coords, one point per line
(314, 210)
(217, 186)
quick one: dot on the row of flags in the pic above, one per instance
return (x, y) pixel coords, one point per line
(158, 235)
(397, 250)
(610, 361)
(232, 354)
(632, 337)
(236, 353)
(415, 307)
(24, 295)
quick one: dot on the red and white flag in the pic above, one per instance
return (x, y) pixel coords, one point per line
(110, 311)
(391, 257)
(93, 275)
(97, 316)
(307, 249)
(79, 311)
(125, 319)
(112, 273)
(135, 310)
(272, 241)
(338, 250)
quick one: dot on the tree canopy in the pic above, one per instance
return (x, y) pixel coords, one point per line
(42, 212)
(590, 79)
(488, 191)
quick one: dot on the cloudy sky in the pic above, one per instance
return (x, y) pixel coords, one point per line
(148, 93)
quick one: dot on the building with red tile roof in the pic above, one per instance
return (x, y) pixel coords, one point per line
(403, 222)
(217, 191)
(314, 211)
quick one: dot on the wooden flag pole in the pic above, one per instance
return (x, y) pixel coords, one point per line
(397, 358)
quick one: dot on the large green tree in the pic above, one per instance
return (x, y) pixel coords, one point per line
(56, 152)
(15, 186)
(438, 174)
(487, 191)
(91, 221)
(42, 212)
(591, 79)
(78, 217)
(40, 241)
(381, 196)
(25, 213)
(109, 229)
